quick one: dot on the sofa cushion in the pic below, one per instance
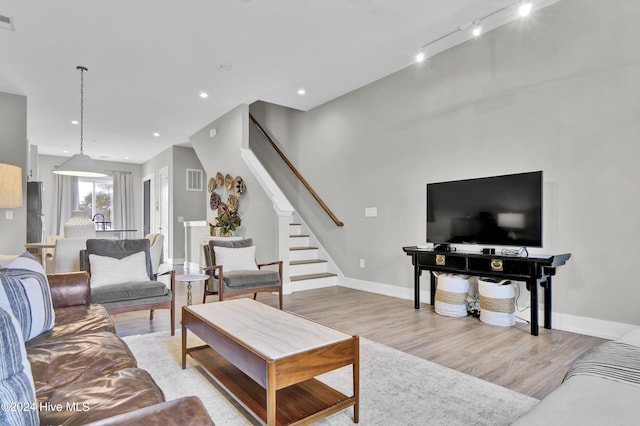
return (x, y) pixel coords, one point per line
(128, 291)
(597, 396)
(172, 412)
(16, 381)
(24, 290)
(76, 320)
(101, 397)
(106, 270)
(236, 259)
(76, 359)
(251, 278)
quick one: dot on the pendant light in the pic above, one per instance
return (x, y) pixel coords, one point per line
(80, 164)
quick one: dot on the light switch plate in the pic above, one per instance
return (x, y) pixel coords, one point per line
(8, 215)
(370, 212)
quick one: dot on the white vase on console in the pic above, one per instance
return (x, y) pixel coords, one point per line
(79, 226)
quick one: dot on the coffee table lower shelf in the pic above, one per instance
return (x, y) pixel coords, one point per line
(298, 404)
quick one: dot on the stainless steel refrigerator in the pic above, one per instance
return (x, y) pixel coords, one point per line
(35, 215)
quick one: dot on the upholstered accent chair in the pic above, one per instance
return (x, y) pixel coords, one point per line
(49, 253)
(66, 257)
(122, 278)
(156, 242)
(233, 271)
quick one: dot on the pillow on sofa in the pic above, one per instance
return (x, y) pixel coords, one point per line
(236, 259)
(24, 291)
(107, 270)
(16, 381)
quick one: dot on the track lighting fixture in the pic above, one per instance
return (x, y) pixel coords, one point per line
(518, 8)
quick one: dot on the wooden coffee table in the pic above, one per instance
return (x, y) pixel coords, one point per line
(267, 359)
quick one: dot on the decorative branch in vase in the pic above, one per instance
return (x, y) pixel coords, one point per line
(227, 221)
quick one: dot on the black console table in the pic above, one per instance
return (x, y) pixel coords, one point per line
(533, 270)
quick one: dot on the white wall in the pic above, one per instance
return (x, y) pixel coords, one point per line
(13, 150)
(559, 92)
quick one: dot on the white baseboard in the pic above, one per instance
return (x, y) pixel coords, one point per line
(572, 323)
(312, 284)
(590, 326)
(384, 289)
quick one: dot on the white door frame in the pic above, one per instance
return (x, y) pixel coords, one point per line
(153, 220)
(163, 222)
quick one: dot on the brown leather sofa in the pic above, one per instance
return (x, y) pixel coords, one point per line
(83, 372)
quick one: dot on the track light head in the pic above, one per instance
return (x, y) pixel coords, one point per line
(525, 9)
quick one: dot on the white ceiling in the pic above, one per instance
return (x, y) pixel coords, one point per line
(149, 59)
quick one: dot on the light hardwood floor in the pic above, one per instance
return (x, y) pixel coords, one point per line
(506, 356)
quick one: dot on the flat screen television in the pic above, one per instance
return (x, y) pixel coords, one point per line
(499, 210)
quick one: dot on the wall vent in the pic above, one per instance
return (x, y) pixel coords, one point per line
(194, 180)
(6, 23)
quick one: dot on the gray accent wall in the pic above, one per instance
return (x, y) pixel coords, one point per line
(222, 153)
(558, 92)
(182, 203)
(13, 150)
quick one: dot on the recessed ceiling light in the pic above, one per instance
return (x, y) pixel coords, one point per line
(156, 134)
(75, 122)
(525, 9)
(204, 95)
(65, 150)
(301, 91)
(477, 30)
(420, 57)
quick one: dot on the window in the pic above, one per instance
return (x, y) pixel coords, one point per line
(95, 196)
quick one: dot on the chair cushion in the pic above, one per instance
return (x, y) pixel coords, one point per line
(24, 291)
(128, 291)
(16, 381)
(106, 270)
(251, 279)
(136, 303)
(236, 259)
(120, 249)
(246, 242)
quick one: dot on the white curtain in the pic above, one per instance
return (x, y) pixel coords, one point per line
(122, 200)
(65, 192)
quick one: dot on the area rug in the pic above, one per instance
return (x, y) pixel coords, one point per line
(395, 388)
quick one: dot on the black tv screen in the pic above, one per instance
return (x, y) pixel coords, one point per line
(500, 210)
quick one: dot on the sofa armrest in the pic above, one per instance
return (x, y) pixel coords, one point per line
(187, 410)
(70, 289)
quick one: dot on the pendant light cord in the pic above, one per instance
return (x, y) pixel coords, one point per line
(82, 70)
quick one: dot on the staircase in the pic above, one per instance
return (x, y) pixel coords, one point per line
(307, 268)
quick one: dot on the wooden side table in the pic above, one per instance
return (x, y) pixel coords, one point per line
(190, 279)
